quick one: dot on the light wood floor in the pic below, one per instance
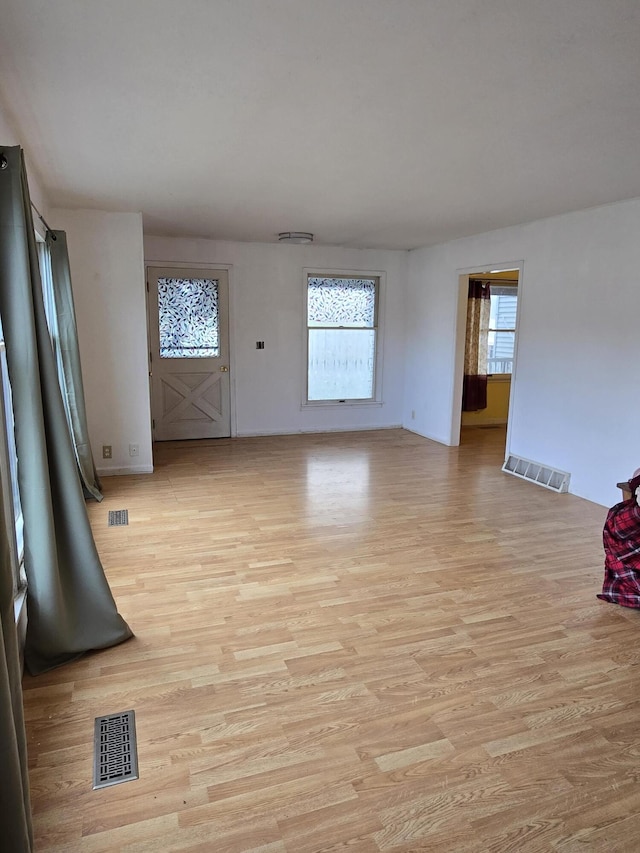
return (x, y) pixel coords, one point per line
(353, 642)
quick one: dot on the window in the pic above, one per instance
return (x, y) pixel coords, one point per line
(46, 279)
(188, 318)
(9, 476)
(44, 262)
(502, 329)
(342, 333)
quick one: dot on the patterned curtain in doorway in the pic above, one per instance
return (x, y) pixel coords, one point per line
(474, 389)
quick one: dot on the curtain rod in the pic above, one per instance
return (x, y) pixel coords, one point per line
(3, 165)
(44, 221)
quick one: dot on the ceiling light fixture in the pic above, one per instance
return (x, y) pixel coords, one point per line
(295, 237)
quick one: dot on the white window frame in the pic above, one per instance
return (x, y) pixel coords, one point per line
(8, 473)
(506, 377)
(323, 272)
(46, 280)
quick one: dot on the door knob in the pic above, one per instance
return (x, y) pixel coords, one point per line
(224, 369)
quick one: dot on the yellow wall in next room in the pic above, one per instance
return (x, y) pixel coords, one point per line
(497, 410)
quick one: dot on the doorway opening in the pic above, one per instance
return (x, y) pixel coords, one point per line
(489, 351)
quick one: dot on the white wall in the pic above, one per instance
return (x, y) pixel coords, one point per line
(107, 272)
(10, 136)
(267, 304)
(575, 399)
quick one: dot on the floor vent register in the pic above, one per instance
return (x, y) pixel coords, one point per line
(115, 756)
(542, 475)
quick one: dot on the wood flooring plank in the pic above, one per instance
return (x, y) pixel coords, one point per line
(356, 642)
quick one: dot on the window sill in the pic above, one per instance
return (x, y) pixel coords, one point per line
(19, 604)
(20, 613)
(334, 404)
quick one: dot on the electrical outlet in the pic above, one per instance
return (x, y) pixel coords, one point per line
(106, 451)
(134, 450)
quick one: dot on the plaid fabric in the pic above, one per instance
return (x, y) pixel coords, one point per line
(621, 539)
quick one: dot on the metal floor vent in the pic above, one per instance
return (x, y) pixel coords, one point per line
(115, 753)
(550, 478)
(118, 517)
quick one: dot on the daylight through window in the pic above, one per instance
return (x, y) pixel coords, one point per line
(502, 329)
(9, 475)
(342, 327)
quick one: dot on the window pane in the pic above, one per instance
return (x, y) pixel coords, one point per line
(11, 458)
(502, 324)
(504, 304)
(501, 346)
(341, 302)
(44, 261)
(188, 318)
(341, 364)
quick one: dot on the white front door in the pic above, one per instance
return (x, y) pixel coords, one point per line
(189, 351)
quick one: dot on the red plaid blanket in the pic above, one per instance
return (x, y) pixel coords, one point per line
(621, 539)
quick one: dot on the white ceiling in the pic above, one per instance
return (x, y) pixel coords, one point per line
(373, 123)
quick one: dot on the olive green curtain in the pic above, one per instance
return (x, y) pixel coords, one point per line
(70, 607)
(69, 370)
(15, 812)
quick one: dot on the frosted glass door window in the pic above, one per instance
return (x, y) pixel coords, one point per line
(188, 318)
(341, 320)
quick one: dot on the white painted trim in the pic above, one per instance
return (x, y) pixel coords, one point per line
(196, 265)
(440, 439)
(348, 404)
(459, 333)
(501, 266)
(319, 431)
(117, 472)
(231, 332)
(327, 272)
(514, 369)
(458, 361)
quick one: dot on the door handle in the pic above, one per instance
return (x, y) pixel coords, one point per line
(224, 369)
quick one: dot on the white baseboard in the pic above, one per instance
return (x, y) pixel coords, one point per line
(119, 472)
(316, 430)
(438, 438)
